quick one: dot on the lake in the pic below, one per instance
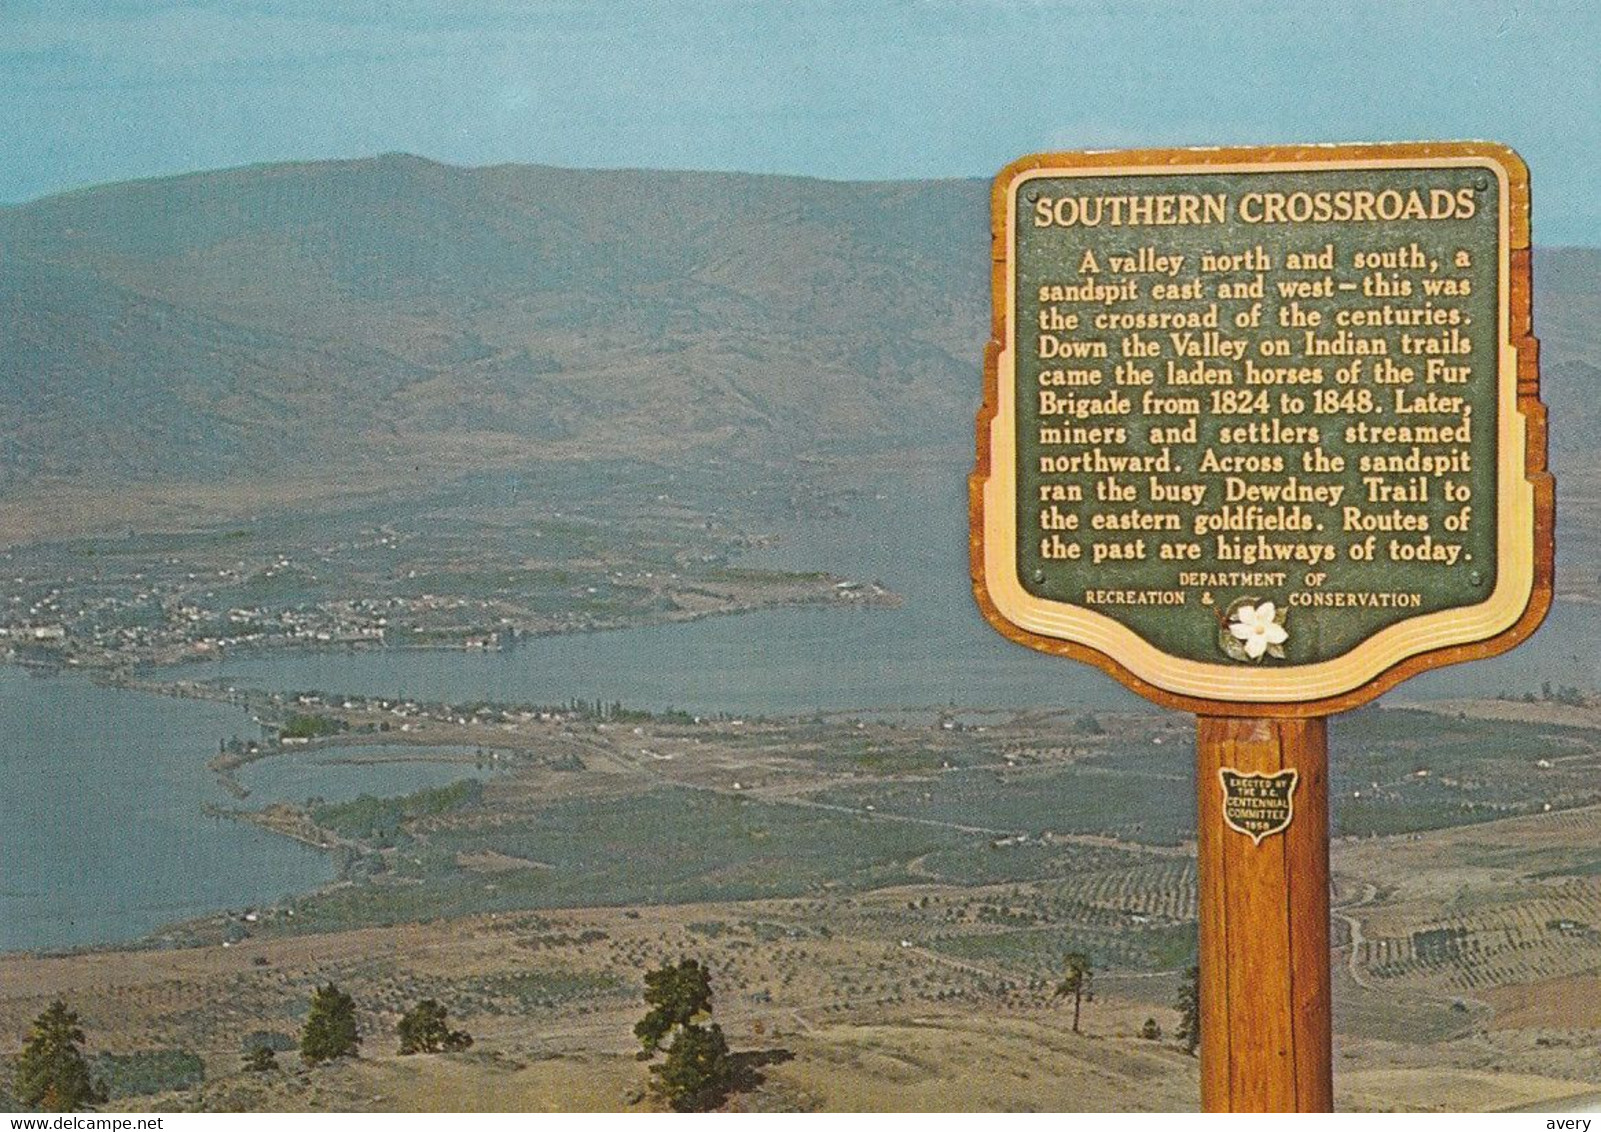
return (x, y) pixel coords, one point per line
(104, 839)
(936, 649)
(340, 774)
(104, 835)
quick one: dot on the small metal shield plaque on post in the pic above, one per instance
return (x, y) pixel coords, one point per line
(1258, 805)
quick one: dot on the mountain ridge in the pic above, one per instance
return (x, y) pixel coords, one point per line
(394, 313)
(583, 310)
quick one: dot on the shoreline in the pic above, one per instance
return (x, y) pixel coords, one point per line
(223, 767)
(841, 593)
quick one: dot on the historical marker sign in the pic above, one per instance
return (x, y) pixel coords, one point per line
(1261, 426)
(1262, 437)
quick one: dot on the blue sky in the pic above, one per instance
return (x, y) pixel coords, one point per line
(113, 89)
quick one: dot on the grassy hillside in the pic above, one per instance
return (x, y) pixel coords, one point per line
(239, 322)
(392, 319)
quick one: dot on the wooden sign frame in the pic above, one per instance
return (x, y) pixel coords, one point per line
(1521, 404)
(1262, 767)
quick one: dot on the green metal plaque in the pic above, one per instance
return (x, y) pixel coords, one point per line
(1256, 417)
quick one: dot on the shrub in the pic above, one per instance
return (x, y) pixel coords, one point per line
(150, 1071)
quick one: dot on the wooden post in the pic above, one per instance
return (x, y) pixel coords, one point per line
(1264, 909)
(1262, 659)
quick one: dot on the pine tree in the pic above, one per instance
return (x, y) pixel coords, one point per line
(330, 1029)
(1077, 972)
(1189, 1007)
(51, 1072)
(676, 996)
(425, 1028)
(697, 1070)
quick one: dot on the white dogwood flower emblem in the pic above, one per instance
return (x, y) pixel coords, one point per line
(1257, 630)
